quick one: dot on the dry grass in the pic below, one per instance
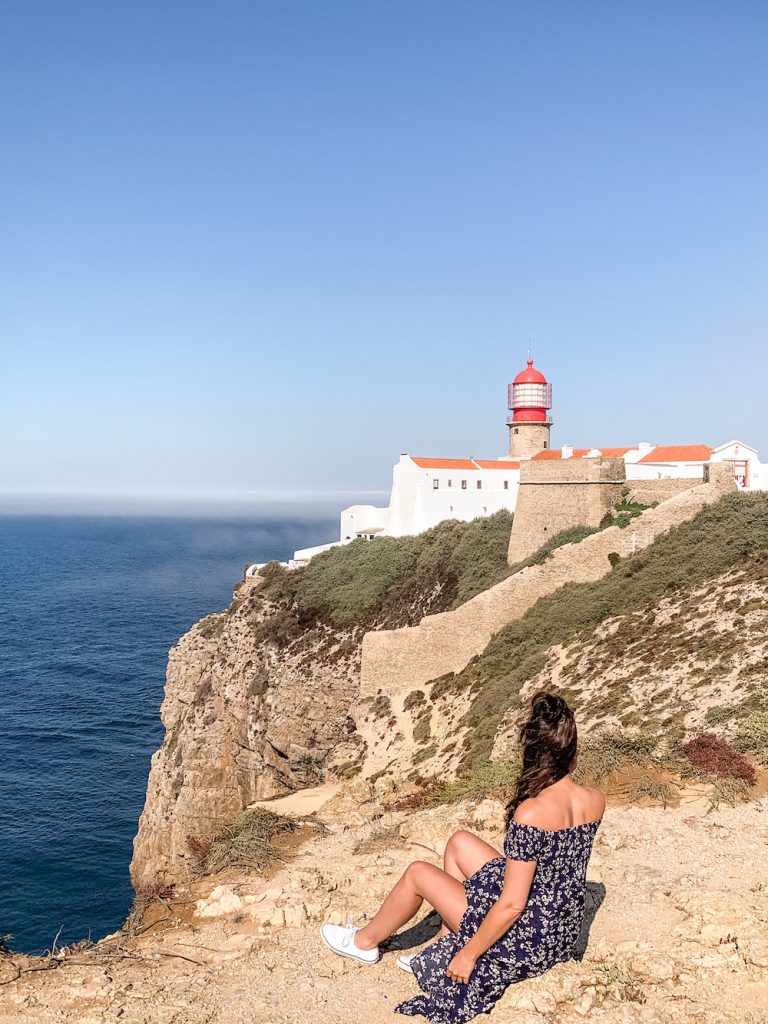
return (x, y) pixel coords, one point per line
(143, 899)
(381, 837)
(244, 842)
(728, 791)
(605, 752)
(648, 789)
(622, 982)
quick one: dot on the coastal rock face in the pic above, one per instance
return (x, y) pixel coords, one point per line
(249, 712)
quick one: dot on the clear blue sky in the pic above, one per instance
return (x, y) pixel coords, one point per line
(270, 245)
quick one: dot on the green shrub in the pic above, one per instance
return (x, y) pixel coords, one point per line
(491, 779)
(752, 737)
(413, 700)
(398, 577)
(422, 730)
(655, 790)
(425, 753)
(606, 751)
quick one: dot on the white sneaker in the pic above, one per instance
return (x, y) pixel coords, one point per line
(342, 941)
(404, 962)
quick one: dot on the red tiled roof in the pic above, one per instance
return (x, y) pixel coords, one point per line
(444, 463)
(614, 453)
(472, 464)
(497, 464)
(557, 453)
(678, 453)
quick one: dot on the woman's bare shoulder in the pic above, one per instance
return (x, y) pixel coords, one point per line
(529, 812)
(547, 811)
(537, 811)
(595, 800)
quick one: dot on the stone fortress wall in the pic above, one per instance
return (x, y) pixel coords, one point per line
(649, 492)
(556, 495)
(399, 660)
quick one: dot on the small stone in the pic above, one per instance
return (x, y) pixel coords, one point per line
(586, 1001)
(719, 932)
(295, 915)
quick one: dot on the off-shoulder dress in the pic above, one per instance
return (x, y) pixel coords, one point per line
(543, 935)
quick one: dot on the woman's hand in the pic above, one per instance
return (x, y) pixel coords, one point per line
(461, 967)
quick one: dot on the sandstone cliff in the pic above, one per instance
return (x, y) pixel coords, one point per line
(246, 716)
(262, 699)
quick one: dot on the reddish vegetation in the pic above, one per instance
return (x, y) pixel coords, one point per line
(708, 752)
(200, 845)
(415, 800)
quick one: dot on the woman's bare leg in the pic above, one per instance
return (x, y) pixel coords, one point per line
(420, 881)
(465, 853)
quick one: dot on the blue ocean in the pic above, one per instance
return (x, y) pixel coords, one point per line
(89, 607)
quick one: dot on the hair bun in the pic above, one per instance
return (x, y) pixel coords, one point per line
(549, 707)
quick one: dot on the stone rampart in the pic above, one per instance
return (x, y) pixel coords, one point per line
(404, 659)
(555, 495)
(648, 492)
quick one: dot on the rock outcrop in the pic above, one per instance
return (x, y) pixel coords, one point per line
(246, 715)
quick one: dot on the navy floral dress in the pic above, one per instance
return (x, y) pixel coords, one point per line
(541, 937)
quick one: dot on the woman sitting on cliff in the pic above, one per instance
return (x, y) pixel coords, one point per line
(505, 917)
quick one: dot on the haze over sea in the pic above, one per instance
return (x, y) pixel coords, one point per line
(89, 606)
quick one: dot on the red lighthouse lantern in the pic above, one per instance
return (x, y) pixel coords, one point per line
(529, 399)
(530, 396)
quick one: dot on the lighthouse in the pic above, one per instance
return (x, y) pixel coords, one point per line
(529, 400)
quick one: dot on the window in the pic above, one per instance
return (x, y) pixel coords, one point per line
(463, 485)
(546, 444)
(435, 484)
(506, 485)
(449, 483)
(479, 485)
(515, 431)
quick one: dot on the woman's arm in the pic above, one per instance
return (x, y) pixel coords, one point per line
(518, 876)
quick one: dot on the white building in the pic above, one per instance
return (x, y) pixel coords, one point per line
(427, 491)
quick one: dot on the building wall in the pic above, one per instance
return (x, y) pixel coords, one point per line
(665, 470)
(416, 504)
(404, 659)
(526, 439)
(742, 456)
(357, 518)
(556, 495)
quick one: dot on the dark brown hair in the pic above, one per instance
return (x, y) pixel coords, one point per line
(548, 738)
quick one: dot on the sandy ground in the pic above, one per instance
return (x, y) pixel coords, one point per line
(678, 931)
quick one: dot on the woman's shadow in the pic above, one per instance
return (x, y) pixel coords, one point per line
(426, 929)
(593, 899)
